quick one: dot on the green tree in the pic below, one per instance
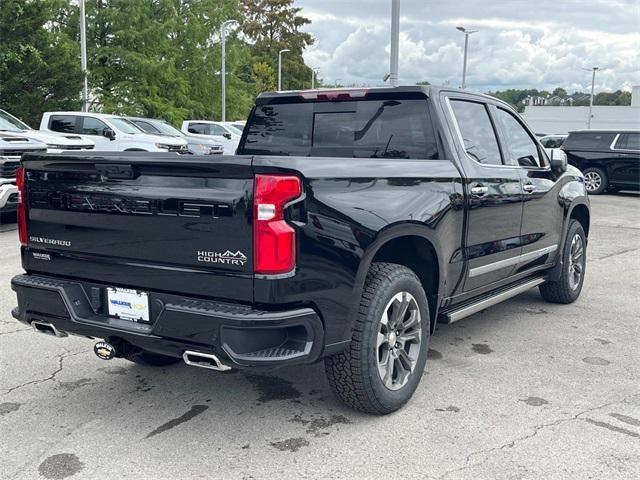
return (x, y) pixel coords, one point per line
(274, 25)
(559, 92)
(39, 62)
(263, 77)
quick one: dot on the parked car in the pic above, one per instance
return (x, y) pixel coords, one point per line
(55, 142)
(238, 124)
(196, 144)
(552, 142)
(349, 223)
(110, 132)
(609, 159)
(12, 146)
(227, 135)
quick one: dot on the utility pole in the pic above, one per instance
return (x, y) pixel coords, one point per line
(280, 67)
(395, 42)
(593, 84)
(83, 58)
(466, 51)
(223, 69)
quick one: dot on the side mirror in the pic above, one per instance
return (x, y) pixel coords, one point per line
(558, 160)
(108, 133)
(227, 136)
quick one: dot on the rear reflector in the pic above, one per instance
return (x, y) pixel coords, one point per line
(274, 240)
(22, 209)
(333, 95)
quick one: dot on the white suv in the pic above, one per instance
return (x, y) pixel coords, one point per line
(221, 132)
(11, 149)
(56, 142)
(110, 132)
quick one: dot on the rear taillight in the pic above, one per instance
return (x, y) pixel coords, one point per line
(22, 208)
(274, 240)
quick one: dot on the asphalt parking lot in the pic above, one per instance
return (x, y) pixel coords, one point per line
(525, 389)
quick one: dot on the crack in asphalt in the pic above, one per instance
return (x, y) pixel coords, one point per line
(15, 331)
(60, 358)
(615, 254)
(512, 443)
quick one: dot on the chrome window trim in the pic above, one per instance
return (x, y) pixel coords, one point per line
(461, 138)
(507, 262)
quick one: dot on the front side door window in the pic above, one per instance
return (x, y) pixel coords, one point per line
(521, 149)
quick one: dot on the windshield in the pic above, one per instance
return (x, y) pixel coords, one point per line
(233, 130)
(10, 123)
(167, 129)
(125, 126)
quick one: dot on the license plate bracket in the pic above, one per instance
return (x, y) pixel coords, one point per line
(128, 304)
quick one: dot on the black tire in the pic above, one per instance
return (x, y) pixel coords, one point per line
(152, 359)
(567, 289)
(354, 374)
(596, 180)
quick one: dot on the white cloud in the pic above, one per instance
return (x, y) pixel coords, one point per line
(521, 44)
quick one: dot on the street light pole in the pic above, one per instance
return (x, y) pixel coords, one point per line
(83, 58)
(223, 69)
(466, 50)
(593, 84)
(314, 71)
(395, 43)
(280, 67)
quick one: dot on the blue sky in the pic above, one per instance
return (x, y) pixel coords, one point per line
(520, 44)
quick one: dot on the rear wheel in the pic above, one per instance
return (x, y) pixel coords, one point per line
(574, 261)
(383, 364)
(595, 180)
(151, 359)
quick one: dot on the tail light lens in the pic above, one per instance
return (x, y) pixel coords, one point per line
(274, 240)
(22, 207)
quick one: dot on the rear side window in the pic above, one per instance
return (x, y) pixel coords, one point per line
(360, 129)
(62, 123)
(198, 128)
(628, 141)
(589, 140)
(480, 141)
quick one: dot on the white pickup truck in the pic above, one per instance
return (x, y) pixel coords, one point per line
(11, 149)
(56, 142)
(221, 132)
(110, 132)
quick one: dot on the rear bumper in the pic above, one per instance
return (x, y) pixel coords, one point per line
(244, 336)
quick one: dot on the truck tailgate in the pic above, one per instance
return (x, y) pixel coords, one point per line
(145, 221)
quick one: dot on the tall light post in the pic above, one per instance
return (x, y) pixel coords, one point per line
(593, 84)
(466, 51)
(314, 72)
(223, 71)
(83, 58)
(395, 43)
(284, 50)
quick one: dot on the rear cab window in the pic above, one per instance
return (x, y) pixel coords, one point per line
(63, 123)
(372, 127)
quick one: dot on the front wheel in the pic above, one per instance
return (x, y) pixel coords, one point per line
(574, 261)
(383, 364)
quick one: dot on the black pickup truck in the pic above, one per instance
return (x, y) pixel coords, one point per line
(349, 222)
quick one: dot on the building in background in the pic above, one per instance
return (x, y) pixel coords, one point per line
(545, 118)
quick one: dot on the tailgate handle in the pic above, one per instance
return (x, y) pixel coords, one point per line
(114, 170)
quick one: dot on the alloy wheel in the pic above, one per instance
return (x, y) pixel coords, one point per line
(398, 341)
(576, 261)
(593, 181)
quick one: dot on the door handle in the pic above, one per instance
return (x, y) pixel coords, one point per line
(529, 187)
(479, 190)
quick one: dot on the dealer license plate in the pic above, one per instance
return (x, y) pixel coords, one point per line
(128, 304)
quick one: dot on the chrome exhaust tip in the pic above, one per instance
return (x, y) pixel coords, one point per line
(204, 360)
(47, 328)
